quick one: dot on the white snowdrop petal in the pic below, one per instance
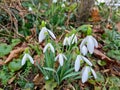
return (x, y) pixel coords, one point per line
(85, 74)
(42, 34)
(84, 50)
(86, 60)
(61, 60)
(56, 57)
(90, 45)
(24, 59)
(95, 42)
(30, 9)
(64, 0)
(52, 48)
(77, 64)
(83, 42)
(63, 5)
(66, 41)
(54, 1)
(30, 58)
(51, 34)
(73, 38)
(45, 48)
(64, 56)
(94, 74)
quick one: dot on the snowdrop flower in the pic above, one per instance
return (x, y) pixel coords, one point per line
(70, 40)
(88, 44)
(86, 72)
(49, 45)
(78, 60)
(73, 39)
(63, 5)
(60, 58)
(66, 41)
(101, 1)
(25, 57)
(64, 0)
(84, 50)
(54, 1)
(30, 9)
(43, 34)
(107, 2)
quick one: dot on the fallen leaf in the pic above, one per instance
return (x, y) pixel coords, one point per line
(1, 62)
(95, 14)
(14, 54)
(102, 56)
(11, 80)
(38, 79)
(118, 26)
(38, 59)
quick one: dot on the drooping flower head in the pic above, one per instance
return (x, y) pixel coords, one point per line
(49, 46)
(73, 39)
(66, 41)
(78, 61)
(61, 58)
(70, 40)
(54, 1)
(86, 72)
(88, 44)
(30, 9)
(44, 32)
(26, 57)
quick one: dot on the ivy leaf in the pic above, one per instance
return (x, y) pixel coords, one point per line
(50, 85)
(114, 88)
(100, 78)
(15, 65)
(115, 81)
(5, 49)
(101, 63)
(15, 42)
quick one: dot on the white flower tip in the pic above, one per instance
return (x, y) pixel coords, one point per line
(63, 5)
(85, 74)
(84, 50)
(54, 1)
(77, 63)
(25, 57)
(94, 74)
(51, 34)
(66, 41)
(30, 9)
(49, 45)
(86, 60)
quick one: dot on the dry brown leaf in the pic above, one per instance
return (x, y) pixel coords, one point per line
(118, 26)
(11, 80)
(38, 79)
(1, 62)
(95, 14)
(38, 59)
(102, 56)
(14, 54)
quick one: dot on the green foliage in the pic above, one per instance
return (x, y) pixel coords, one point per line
(86, 29)
(101, 62)
(50, 85)
(114, 54)
(5, 49)
(5, 75)
(15, 65)
(112, 41)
